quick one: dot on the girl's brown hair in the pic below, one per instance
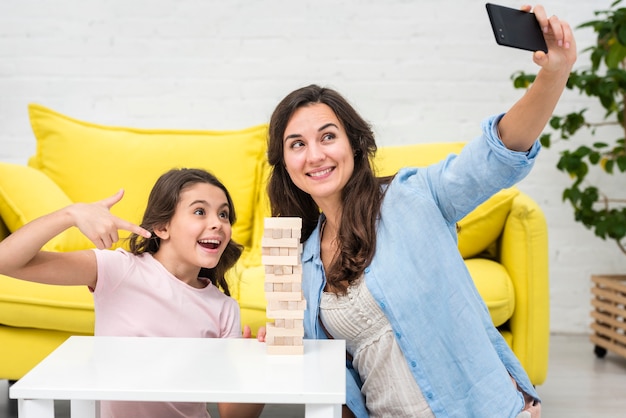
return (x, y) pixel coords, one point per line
(160, 209)
(362, 194)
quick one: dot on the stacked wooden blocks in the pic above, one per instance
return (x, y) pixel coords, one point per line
(283, 285)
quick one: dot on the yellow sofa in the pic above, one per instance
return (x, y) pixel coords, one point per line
(504, 241)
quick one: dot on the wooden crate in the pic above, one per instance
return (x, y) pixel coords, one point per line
(609, 314)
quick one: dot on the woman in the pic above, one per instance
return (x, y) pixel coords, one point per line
(381, 268)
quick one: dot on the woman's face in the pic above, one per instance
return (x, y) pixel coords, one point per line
(317, 153)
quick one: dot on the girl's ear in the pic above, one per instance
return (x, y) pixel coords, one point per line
(162, 232)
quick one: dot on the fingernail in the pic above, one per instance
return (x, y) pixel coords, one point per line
(545, 29)
(567, 45)
(560, 42)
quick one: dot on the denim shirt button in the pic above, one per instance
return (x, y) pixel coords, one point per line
(413, 364)
(367, 270)
(382, 305)
(429, 395)
(398, 335)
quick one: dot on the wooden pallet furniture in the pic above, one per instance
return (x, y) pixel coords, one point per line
(608, 314)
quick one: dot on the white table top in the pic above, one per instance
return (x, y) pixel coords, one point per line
(187, 370)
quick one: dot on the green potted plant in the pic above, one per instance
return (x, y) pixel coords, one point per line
(593, 158)
(603, 79)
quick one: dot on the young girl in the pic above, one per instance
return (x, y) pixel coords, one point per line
(166, 286)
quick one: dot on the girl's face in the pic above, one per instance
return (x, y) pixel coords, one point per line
(197, 234)
(317, 153)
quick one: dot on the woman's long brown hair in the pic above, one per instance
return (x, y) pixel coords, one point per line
(362, 195)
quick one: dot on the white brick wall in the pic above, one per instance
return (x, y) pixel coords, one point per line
(420, 71)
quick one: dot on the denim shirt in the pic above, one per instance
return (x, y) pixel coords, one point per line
(419, 279)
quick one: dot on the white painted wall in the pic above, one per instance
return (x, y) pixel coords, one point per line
(420, 71)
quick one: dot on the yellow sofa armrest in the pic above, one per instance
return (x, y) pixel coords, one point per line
(524, 254)
(26, 194)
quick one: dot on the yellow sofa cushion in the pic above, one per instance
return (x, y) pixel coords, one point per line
(90, 161)
(495, 286)
(33, 305)
(26, 194)
(482, 226)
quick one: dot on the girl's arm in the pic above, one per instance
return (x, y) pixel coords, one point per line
(21, 256)
(525, 121)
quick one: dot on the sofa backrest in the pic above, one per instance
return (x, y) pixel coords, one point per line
(89, 162)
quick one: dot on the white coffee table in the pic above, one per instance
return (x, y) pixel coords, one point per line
(87, 369)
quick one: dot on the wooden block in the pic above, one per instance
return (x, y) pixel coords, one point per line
(284, 296)
(277, 305)
(285, 349)
(280, 260)
(299, 305)
(295, 287)
(286, 232)
(280, 242)
(284, 313)
(283, 278)
(269, 287)
(283, 222)
(284, 332)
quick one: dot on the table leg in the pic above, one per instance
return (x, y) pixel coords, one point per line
(35, 408)
(82, 409)
(322, 411)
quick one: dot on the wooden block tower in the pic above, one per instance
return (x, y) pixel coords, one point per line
(283, 285)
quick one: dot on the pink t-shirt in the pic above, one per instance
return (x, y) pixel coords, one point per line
(136, 296)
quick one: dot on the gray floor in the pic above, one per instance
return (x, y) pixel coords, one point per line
(578, 385)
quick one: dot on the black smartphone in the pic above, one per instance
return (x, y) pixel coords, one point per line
(516, 28)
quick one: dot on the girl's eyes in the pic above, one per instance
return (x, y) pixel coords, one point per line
(222, 214)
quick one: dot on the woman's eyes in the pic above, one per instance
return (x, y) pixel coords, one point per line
(224, 215)
(299, 143)
(199, 211)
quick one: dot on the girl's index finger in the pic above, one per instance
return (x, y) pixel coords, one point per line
(131, 227)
